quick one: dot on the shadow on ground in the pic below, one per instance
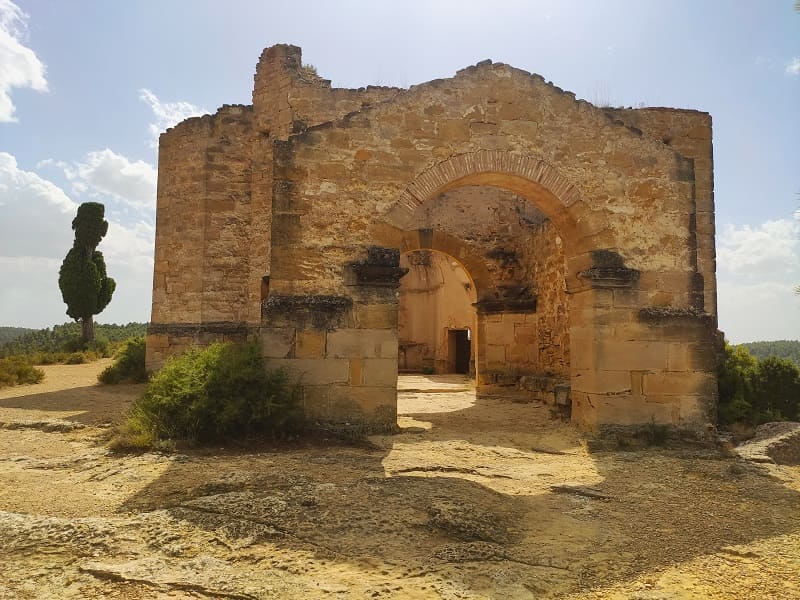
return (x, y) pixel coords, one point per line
(488, 496)
(88, 405)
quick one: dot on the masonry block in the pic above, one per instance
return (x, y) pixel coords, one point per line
(380, 372)
(375, 316)
(311, 371)
(277, 342)
(310, 344)
(601, 382)
(362, 343)
(614, 355)
(680, 384)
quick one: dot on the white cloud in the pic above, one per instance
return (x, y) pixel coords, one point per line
(19, 65)
(36, 213)
(760, 311)
(793, 68)
(132, 245)
(129, 258)
(35, 234)
(769, 249)
(167, 114)
(758, 270)
(109, 173)
(50, 162)
(34, 300)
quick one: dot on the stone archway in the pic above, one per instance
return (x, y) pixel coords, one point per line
(532, 178)
(510, 331)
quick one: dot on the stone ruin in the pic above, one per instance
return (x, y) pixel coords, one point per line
(489, 223)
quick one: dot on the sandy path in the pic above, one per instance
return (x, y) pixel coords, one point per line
(476, 498)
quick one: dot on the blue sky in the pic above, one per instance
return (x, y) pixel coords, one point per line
(86, 85)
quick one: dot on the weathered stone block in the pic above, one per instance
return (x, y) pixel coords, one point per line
(310, 343)
(380, 372)
(495, 354)
(314, 371)
(277, 342)
(362, 343)
(680, 384)
(375, 316)
(602, 382)
(615, 355)
(632, 410)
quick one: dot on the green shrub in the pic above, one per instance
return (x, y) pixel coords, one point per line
(100, 347)
(76, 358)
(776, 387)
(62, 358)
(128, 365)
(73, 344)
(44, 358)
(15, 370)
(752, 392)
(217, 393)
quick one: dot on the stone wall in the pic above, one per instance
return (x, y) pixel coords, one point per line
(613, 189)
(552, 314)
(343, 348)
(201, 273)
(598, 258)
(688, 132)
(215, 203)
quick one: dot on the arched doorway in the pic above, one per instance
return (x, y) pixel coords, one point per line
(436, 318)
(516, 256)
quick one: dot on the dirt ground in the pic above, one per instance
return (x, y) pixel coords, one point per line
(476, 498)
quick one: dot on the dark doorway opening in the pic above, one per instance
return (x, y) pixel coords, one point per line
(459, 350)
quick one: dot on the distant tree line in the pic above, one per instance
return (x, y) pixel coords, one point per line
(11, 333)
(753, 391)
(62, 337)
(788, 349)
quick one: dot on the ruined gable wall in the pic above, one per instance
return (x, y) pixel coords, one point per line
(637, 191)
(288, 98)
(619, 190)
(689, 132)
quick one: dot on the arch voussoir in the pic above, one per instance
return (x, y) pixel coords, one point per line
(488, 167)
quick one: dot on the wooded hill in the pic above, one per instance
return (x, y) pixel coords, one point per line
(53, 340)
(11, 333)
(789, 349)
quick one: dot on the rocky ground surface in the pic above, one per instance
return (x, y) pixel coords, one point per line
(476, 498)
(773, 443)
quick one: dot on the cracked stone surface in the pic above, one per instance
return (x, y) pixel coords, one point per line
(773, 442)
(476, 498)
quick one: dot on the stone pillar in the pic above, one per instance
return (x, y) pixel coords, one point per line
(634, 364)
(342, 349)
(506, 341)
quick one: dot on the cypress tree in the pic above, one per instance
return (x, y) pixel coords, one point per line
(85, 286)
